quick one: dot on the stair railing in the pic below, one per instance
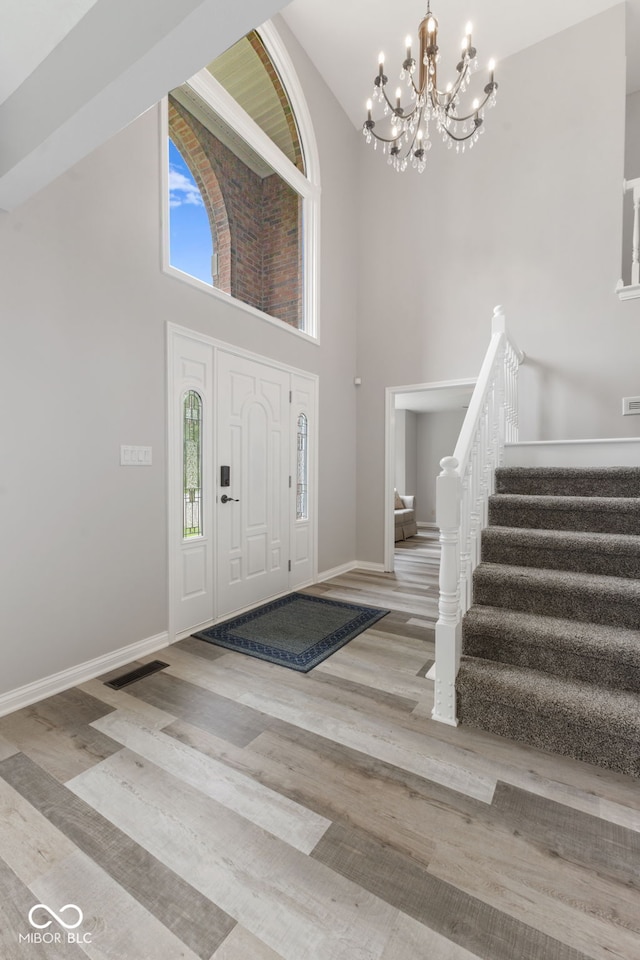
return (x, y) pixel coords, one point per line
(462, 494)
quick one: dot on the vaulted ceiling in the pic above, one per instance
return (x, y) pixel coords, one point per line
(74, 72)
(344, 38)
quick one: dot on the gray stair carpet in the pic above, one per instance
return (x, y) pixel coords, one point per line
(551, 644)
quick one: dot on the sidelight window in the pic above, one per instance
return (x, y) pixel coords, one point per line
(192, 464)
(302, 471)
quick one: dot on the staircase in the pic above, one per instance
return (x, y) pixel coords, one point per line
(551, 643)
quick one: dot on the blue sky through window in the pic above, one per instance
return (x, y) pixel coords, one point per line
(190, 243)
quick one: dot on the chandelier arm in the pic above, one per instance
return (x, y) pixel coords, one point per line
(401, 116)
(451, 94)
(393, 108)
(411, 145)
(386, 139)
(467, 136)
(419, 91)
(468, 116)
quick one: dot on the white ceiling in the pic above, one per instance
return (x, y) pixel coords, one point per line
(30, 31)
(344, 37)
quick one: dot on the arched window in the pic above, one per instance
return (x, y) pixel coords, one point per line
(302, 470)
(192, 464)
(191, 243)
(243, 133)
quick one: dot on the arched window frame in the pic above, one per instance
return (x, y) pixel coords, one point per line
(306, 185)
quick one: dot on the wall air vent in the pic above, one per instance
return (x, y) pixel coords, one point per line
(630, 406)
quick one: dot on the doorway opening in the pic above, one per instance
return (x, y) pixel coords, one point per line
(422, 426)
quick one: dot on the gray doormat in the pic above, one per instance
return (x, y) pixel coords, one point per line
(296, 631)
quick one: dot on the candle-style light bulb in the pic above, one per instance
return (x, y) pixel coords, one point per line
(407, 43)
(369, 109)
(469, 28)
(492, 67)
(381, 64)
(398, 98)
(431, 25)
(476, 104)
(420, 135)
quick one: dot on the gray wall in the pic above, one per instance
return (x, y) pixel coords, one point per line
(400, 453)
(405, 452)
(632, 136)
(532, 219)
(82, 370)
(411, 452)
(437, 435)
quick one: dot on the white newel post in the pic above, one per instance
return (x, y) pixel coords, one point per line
(448, 627)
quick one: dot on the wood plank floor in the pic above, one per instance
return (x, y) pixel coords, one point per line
(228, 808)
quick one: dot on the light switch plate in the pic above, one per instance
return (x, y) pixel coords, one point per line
(133, 456)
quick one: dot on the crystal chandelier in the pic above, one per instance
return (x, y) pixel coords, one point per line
(409, 129)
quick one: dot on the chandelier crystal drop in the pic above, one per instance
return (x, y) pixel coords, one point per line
(409, 129)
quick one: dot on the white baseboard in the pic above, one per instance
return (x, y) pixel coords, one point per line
(57, 682)
(427, 524)
(348, 567)
(337, 571)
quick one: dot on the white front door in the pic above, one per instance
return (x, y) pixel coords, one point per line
(253, 453)
(234, 410)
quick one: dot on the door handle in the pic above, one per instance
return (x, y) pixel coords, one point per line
(225, 499)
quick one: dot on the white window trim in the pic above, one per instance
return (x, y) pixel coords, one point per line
(308, 187)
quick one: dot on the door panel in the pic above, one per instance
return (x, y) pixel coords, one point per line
(253, 439)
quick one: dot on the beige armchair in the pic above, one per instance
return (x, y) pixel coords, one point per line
(404, 516)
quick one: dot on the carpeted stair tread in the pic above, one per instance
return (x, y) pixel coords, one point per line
(577, 719)
(586, 514)
(573, 649)
(579, 596)
(589, 514)
(570, 481)
(612, 554)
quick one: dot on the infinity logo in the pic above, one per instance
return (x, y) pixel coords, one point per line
(56, 916)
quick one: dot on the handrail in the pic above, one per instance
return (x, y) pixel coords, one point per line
(462, 494)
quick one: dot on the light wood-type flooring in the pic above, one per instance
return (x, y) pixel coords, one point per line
(227, 808)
